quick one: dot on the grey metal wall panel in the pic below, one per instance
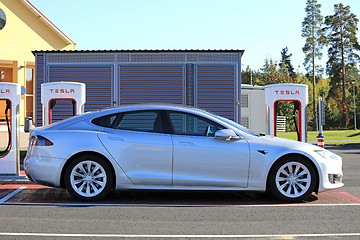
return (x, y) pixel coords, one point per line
(39, 79)
(207, 79)
(145, 83)
(62, 110)
(190, 85)
(98, 86)
(215, 86)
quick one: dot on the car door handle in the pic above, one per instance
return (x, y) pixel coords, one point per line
(115, 138)
(187, 143)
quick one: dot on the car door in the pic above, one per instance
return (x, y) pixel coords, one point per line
(136, 141)
(200, 159)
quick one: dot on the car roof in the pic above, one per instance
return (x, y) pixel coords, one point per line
(125, 108)
(151, 106)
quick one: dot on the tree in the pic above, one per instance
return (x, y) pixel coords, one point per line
(341, 29)
(246, 75)
(270, 74)
(285, 62)
(315, 40)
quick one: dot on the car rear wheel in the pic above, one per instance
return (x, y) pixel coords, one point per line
(88, 178)
(292, 179)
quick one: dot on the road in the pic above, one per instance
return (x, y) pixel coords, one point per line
(192, 220)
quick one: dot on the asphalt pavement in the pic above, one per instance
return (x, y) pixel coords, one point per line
(265, 222)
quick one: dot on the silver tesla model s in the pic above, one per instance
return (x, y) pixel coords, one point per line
(176, 148)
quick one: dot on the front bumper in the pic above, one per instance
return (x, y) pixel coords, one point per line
(330, 174)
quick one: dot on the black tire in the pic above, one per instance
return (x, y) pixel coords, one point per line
(85, 185)
(292, 179)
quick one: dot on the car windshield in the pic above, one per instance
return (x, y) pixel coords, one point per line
(234, 124)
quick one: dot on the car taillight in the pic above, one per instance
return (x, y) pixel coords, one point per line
(41, 141)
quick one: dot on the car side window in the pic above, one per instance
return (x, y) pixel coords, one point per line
(105, 121)
(145, 121)
(187, 124)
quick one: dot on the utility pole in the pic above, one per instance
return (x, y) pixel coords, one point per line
(353, 83)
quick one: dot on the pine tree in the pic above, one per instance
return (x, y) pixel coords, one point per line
(315, 40)
(246, 76)
(341, 29)
(285, 63)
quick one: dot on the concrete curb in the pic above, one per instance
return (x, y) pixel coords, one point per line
(14, 179)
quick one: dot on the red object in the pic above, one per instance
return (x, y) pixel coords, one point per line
(41, 141)
(299, 117)
(321, 142)
(50, 109)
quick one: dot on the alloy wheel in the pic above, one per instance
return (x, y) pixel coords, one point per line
(293, 179)
(88, 178)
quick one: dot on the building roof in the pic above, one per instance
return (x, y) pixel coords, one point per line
(144, 51)
(249, 86)
(47, 22)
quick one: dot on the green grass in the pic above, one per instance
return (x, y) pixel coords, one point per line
(22, 156)
(344, 136)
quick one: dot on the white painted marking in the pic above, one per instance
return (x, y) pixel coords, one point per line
(176, 205)
(178, 236)
(10, 195)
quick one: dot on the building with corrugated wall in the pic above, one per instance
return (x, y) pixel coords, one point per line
(254, 115)
(24, 29)
(208, 79)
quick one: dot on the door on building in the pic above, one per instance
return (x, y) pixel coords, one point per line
(6, 74)
(29, 86)
(144, 83)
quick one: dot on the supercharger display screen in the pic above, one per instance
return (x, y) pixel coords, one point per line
(5, 120)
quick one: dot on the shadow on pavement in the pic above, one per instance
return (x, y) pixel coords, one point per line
(161, 198)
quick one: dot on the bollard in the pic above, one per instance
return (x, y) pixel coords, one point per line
(321, 137)
(321, 141)
(28, 124)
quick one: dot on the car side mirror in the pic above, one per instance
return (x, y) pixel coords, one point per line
(226, 134)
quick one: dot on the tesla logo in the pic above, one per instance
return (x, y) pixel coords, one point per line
(287, 92)
(4, 90)
(62, 90)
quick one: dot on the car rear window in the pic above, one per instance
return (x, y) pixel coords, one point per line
(105, 121)
(142, 121)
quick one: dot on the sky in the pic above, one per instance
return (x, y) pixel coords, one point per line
(260, 27)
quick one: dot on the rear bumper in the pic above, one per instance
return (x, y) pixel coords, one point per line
(43, 170)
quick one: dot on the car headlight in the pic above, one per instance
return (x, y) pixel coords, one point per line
(327, 154)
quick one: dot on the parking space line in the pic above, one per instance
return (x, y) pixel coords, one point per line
(10, 195)
(178, 236)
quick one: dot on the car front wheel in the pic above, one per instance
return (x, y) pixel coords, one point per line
(292, 179)
(88, 178)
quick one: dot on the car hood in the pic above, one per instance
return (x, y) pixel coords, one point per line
(285, 143)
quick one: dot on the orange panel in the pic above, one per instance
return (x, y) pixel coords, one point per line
(2, 110)
(6, 74)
